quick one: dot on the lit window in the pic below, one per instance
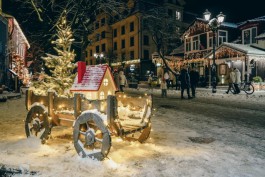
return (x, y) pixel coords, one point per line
(88, 96)
(109, 92)
(101, 96)
(178, 15)
(105, 82)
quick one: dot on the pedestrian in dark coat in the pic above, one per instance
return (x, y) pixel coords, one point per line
(163, 87)
(185, 82)
(194, 79)
(178, 84)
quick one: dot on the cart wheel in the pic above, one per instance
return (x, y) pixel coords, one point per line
(141, 135)
(37, 123)
(91, 137)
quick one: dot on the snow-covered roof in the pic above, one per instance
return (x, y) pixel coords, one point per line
(261, 36)
(248, 50)
(178, 50)
(244, 48)
(23, 37)
(229, 24)
(92, 78)
(225, 24)
(258, 19)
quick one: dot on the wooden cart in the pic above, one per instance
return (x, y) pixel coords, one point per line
(93, 121)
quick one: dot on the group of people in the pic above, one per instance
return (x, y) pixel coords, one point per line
(188, 80)
(120, 80)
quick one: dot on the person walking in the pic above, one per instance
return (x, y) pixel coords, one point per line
(178, 83)
(150, 78)
(123, 81)
(194, 79)
(237, 80)
(185, 82)
(116, 79)
(171, 79)
(163, 87)
(230, 80)
(166, 77)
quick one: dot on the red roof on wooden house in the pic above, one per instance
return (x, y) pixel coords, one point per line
(89, 77)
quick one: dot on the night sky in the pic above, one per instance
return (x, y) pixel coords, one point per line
(235, 10)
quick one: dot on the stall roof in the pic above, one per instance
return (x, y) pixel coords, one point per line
(248, 50)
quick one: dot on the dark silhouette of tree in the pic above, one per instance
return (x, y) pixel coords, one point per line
(164, 30)
(39, 19)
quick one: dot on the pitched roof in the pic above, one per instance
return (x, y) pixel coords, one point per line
(224, 24)
(178, 51)
(261, 36)
(241, 48)
(258, 19)
(92, 78)
(244, 48)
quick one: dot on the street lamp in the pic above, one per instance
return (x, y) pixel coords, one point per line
(99, 56)
(214, 25)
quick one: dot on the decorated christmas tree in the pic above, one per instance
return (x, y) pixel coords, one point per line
(61, 66)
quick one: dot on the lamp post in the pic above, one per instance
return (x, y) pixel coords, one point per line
(99, 56)
(214, 24)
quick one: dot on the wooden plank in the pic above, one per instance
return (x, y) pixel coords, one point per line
(66, 116)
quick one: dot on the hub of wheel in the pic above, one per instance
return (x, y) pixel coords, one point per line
(36, 125)
(90, 137)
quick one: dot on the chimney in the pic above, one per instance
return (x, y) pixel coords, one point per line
(81, 69)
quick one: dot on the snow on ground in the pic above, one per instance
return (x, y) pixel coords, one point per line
(168, 152)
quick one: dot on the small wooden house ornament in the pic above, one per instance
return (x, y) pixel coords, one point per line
(94, 81)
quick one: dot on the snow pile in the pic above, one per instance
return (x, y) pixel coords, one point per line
(236, 150)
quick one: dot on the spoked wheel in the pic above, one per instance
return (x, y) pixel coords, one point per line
(37, 123)
(249, 89)
(91, 137)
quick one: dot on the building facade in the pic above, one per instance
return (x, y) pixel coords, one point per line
(198, 43)
(247, 53)
(123, 43)
(13, 48)
(3, 49)
(240, 45)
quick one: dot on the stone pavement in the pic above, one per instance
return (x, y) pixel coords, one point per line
(219, 89)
